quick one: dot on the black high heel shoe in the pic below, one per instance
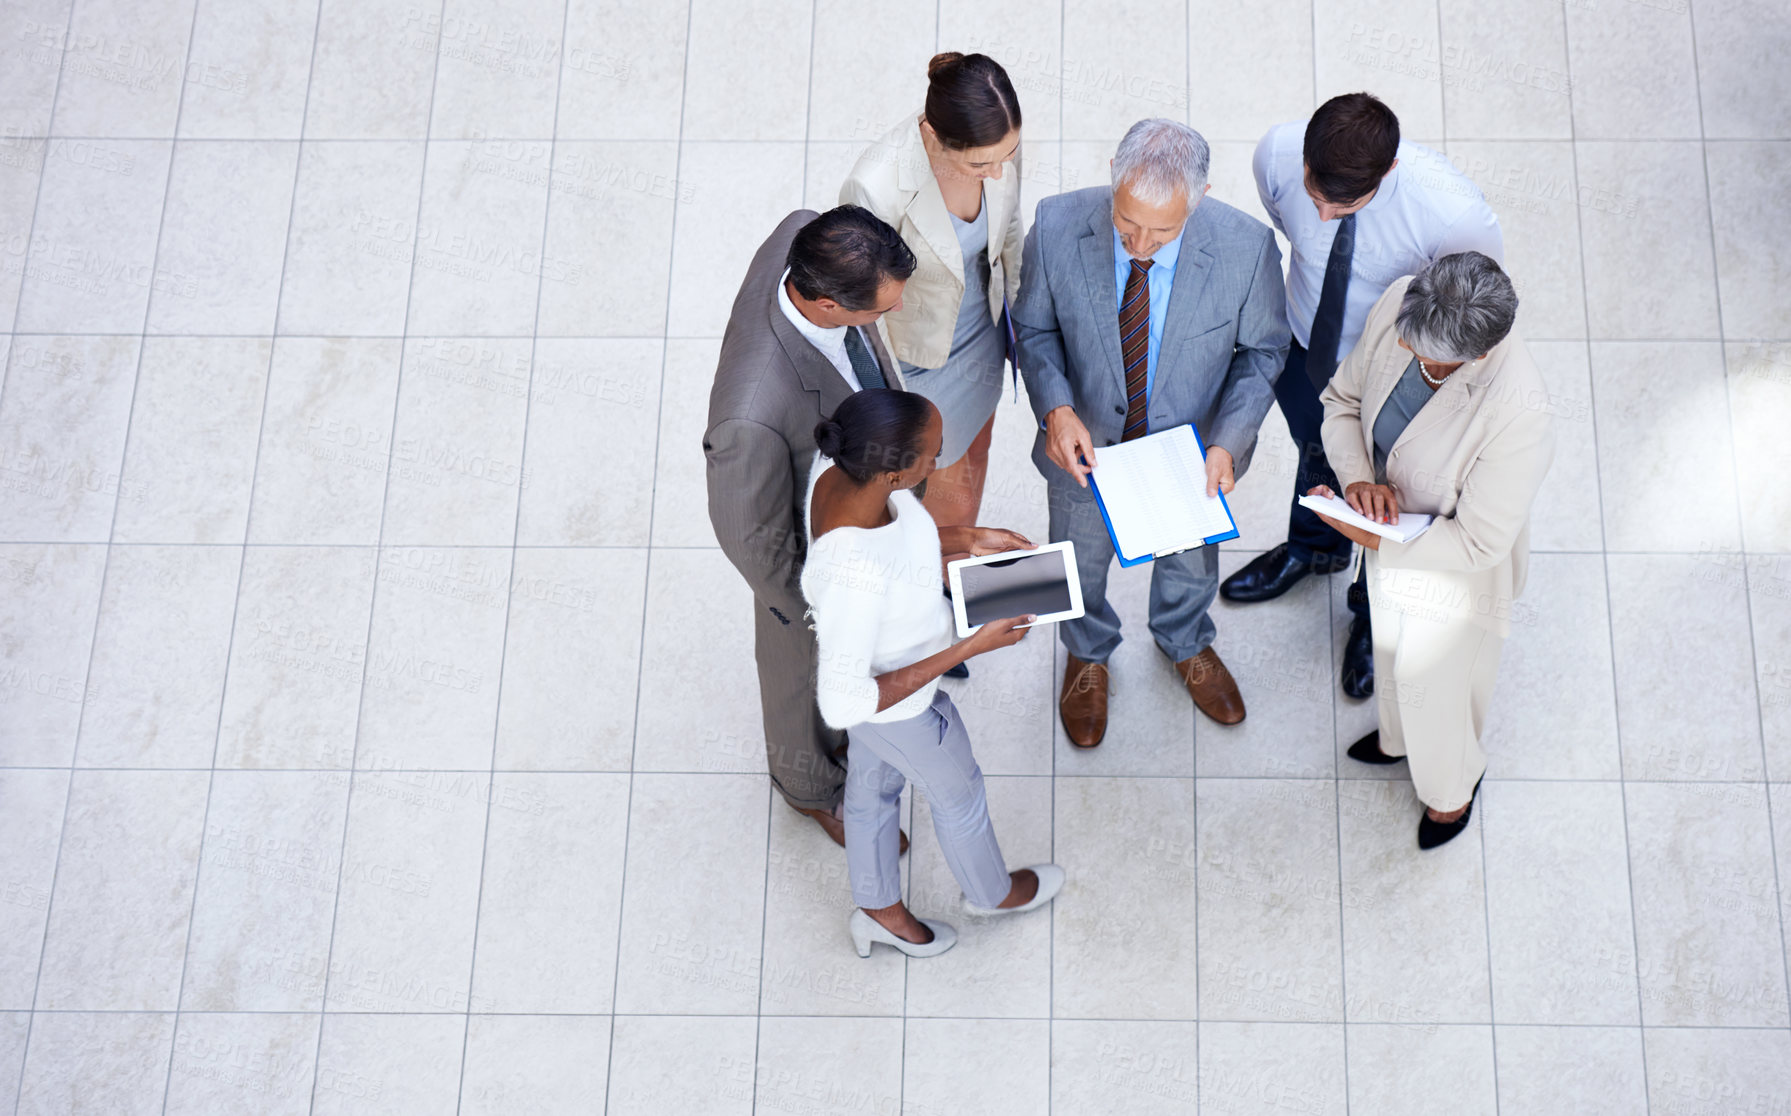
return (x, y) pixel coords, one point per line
(1368, 750)
(1434, 833)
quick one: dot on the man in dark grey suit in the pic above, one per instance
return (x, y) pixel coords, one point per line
(801, 338)
(1144, 306)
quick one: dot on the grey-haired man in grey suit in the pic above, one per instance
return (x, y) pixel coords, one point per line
(801, 338)
(1144, 306)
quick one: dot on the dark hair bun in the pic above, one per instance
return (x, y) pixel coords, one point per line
(970, 101)
(875, 431)
(943, 64)
(828, 436)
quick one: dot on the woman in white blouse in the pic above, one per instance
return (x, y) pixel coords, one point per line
(872, 581)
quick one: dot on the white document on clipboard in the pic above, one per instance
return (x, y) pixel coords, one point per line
(1152, 491)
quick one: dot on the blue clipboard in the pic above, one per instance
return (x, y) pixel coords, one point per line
(1012, 341)
(1121, 554)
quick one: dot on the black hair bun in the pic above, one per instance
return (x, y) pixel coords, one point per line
(828, 437)
(943, 63)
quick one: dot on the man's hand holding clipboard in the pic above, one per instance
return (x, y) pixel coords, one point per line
(1068, 444)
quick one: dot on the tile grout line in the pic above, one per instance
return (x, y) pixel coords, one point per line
(1492, 1011)
(378, 550)
(1194, 717)
(902, 1054)
(1362, 780)
(758, 1025)
(609, 1080)
(68, 789)
(243, 554)
(1492, 1027)
(522, 454)
(1747, 593)
(43, 172)
(911, 794)
(1635, 946)
(112, 529)
(266, 545)
(1336, 766)
(1050, 675)
(1337, 782)
(1773, 1028)
(1102, 139)
(716, 337)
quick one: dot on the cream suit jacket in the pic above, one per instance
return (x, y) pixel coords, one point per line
(894, 180)
(1474, 456)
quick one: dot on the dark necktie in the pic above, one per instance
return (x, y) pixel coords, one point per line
(1327, 323)
(864, 365)
(1134, 346)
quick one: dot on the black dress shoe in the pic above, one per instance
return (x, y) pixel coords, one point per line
(1274, 572)
(1434, 833)
(1358, 660)
(1368, 750)
(962, 670)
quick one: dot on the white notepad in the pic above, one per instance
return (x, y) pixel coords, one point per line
(1153, 493)
(1409, 526)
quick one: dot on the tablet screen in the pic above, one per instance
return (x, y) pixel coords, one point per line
(1035, 585)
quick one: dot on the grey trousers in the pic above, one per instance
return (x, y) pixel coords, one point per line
(933, 750)
(1182, 586)
(805, 757)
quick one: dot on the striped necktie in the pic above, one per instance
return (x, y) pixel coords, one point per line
(864, 365)
(1134, 346)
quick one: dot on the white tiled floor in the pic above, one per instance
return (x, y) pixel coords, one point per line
(378, 730)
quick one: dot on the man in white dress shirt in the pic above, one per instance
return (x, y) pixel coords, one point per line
(803, 336)
(1360, 208)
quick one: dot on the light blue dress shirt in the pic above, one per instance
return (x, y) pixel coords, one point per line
(1161, 278)
(1424, 209)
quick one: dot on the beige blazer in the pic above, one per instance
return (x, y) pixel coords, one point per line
(1474, 456)
(894, 180)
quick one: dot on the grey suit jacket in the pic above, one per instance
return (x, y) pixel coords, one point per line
(771, 388)
(1225, 332)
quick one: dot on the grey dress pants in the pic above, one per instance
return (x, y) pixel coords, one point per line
(805, 757)
(1182, 586)
(933, 750)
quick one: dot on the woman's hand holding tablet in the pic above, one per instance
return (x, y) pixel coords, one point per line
(1003, 584)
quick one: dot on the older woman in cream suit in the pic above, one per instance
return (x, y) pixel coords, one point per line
(1440, 410)
(945, 179)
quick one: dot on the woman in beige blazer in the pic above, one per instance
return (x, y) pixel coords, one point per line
(945, 179)
(1440, 410)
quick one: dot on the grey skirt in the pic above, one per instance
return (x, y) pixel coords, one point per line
(966, 391)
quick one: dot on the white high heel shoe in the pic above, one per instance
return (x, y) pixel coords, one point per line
(1050, 883)
(867, 930)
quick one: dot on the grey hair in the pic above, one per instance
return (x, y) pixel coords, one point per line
(1457, 308)
(1158, 157)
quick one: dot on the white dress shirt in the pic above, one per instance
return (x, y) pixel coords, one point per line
(1424, 209)
(829, 340)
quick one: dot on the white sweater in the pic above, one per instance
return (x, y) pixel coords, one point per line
(875, 602)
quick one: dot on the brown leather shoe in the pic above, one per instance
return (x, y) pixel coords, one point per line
(1083, 703)
(1214, 690)
(836, 829)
